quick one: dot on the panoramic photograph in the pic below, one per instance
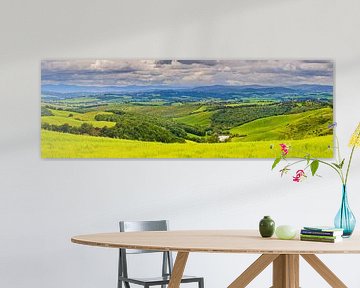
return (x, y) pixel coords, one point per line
(118, 108)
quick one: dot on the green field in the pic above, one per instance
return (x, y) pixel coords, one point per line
(62, 145)
(81, 100)
(57, 120)
(75, 119)
(167, 111)
(200, 119)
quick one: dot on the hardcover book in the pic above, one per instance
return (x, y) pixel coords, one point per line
(320, 237)
(325, 240)
(321, 233)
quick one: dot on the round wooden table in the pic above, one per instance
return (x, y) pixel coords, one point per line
(284, 254)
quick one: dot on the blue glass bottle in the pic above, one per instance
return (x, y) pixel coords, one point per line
(345, 219)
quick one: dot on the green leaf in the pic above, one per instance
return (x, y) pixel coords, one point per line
(336, 165)
(342, 163)
(307, 158)
(284, 171)
(314, 167)
(276, 162)
(339, 166)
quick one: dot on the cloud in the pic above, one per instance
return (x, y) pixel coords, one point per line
(187, 72)
(202, 62)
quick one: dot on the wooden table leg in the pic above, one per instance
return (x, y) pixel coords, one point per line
(178, 269)
(324, 271)
(286, 271)
(254, 270)
(293, 262)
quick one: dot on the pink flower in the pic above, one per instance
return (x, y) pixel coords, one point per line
(300, 174)
(284, 149)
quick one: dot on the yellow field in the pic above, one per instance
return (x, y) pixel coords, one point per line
(62, 145)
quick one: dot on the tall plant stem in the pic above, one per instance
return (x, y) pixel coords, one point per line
(348, 167)
(340, 161)
(338, 149)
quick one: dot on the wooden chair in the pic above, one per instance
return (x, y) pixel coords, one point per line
(167, 263)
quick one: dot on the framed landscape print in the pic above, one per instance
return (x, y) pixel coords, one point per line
(118, 108)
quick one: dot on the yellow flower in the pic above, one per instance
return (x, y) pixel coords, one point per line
(355, 138)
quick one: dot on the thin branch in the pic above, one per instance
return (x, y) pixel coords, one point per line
(339, 171)
(323, 162)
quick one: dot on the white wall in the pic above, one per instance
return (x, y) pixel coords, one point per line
(44, 202)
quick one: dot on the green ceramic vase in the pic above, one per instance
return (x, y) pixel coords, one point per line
(267, 227)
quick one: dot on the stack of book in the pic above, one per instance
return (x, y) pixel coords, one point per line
(321, 234)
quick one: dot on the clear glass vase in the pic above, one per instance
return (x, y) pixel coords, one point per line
(345, 219)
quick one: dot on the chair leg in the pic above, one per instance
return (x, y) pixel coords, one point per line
(164, 266)
(201, 283)
(120, 270)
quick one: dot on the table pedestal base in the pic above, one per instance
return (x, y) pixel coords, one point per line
(286, 271)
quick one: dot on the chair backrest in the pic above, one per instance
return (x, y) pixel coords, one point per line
(139, 226)
(133, 226)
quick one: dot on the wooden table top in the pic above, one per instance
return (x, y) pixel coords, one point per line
(216, 241)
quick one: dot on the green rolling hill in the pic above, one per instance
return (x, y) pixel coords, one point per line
(292, 126)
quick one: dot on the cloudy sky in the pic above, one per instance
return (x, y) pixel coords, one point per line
(187, 72)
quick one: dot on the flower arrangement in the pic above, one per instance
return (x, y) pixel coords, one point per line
(344, 219)
(313, 163)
